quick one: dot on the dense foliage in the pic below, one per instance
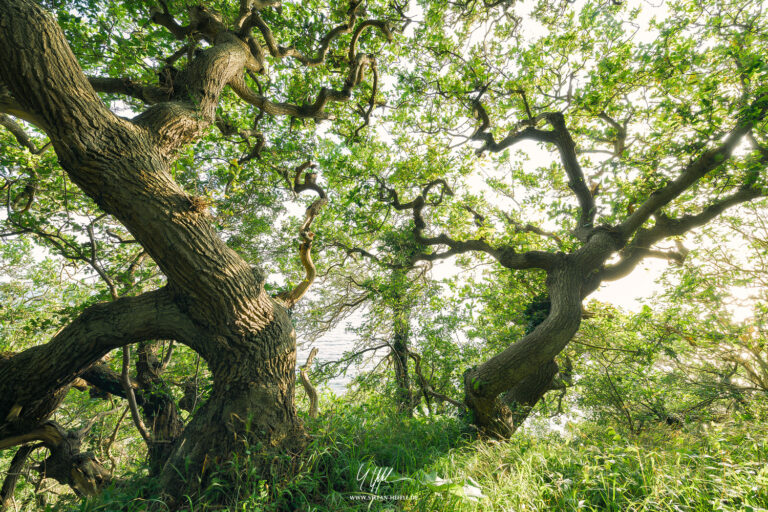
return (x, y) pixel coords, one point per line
(454, 181)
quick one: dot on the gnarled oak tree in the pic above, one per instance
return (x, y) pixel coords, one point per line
(213, 301)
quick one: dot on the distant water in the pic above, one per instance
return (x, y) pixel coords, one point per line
(331, 347)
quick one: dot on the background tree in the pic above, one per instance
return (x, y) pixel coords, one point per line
(371, 265)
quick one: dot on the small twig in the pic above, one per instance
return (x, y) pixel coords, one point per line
(197, 373)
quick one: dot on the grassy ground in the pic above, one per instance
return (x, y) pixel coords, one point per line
(362, 453)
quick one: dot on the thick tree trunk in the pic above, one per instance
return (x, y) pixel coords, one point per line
(522, 398)
(252, 406)
(214, 302)
(522, 369)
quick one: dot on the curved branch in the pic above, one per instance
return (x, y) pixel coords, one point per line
(311, 110)
(9, 105)
(640, 246)
(149, 94)
(20, 135)
(247, 6)
(48, 434)
(383, 27)
(308, 387)
(708, 161)
(281, 52)
(27, 379)
(506, 255)
(13, 474)
(530, 132)
(314, 110)
(290, 298)
(125, 379)
(163, 17)
(366, 112)
(560, 136)
(66, 464)
(567, 149)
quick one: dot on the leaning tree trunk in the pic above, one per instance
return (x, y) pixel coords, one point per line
(524, 371)
(214, 301)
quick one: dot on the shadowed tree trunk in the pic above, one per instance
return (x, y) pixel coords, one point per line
(400, 349)
(214, 301)
(160, 410)
(522, 398)
(526, 368)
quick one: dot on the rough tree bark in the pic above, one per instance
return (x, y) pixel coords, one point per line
(214, 301)
(522, 398)
(517, 368)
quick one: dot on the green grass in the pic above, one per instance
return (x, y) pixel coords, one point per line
(724, 469)
(438, 466)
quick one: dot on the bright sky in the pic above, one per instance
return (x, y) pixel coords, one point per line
(629, 292)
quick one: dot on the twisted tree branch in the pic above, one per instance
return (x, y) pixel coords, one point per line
(290, 298)
(708, 161)
(506, 255)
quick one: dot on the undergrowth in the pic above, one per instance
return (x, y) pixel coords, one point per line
(362, 453)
